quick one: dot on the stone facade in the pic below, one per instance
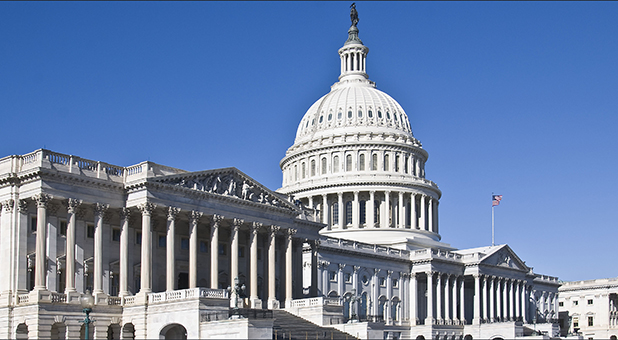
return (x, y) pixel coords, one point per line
(351, 241)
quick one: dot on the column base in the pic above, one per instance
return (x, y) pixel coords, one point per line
(273, 304)
(255, 303)
(429, 321)
(476, 321)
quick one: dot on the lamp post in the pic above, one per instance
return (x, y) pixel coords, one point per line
(234, 296)
(87, 301)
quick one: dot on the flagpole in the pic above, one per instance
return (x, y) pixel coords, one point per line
(492, 219)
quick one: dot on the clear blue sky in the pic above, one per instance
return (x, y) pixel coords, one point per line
(516, 98)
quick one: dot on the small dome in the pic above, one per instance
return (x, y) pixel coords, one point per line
(353, 106)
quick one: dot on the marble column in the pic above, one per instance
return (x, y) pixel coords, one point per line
(194, 220)
(146, 262)
(355, 211)
(370, 211)
(429, 319)
(253, 263)
(439, 291)
(413, 300)
(99, 214)
(214, 251)
(325, 210)
(477, 300)
(517, 300)
(504, 300)
(454, 300)
(435, 216)
(340, 211)
(485, 304)
(402, 213)
(498, 294)
(72, 205)
(125, 214)
(492, 299)
(462, 300)
(237, 222)
(272, 297)
(447, 301)
(41, 239)
(423, 211)
(386, 217)
(288, 266)
(512, 299)
(388, 317)
(413, 212)
(170, 258)
(429, 213)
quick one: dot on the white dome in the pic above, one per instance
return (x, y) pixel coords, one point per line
(353, 106)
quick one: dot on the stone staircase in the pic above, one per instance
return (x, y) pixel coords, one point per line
(289, 326)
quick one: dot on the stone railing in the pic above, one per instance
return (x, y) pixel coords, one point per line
(315, 301)
(364, 247)
(23, 298)
(186, 294)
(58, 298)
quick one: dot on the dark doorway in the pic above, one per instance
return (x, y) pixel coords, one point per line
(183, 280)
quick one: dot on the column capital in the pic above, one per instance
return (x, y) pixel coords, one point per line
(255, 227)
(389, 273)
(273, 229)
(413, 275)
(376, 271)
(290, 232)
(340, 194)
(476, 276)
(100, 209)
(215, 220)
(356, 192)
(42, 199)
(172, 212)
(124, 213)
(356, 268)
(147, 208)
(372, 192)
(430, 272)
(8, 205)
(22, 206)
(324, 196)
(341, 266)
(72, 204)
(237, 222)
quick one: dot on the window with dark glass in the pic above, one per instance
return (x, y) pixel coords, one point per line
(184, 243)
(348, 212)
(361, 162)
(116, 234)
(335, 213)
(348, 163)
(90, 230)
(363, 208)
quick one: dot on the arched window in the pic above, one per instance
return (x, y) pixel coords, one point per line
(335, 213)
(313, 167)
(323, 166)
(336, 164)
(295, 172)
(386, 161)
(363, 212)
(361, 162)
(348, 163)
(397, 163)
(405, 164)
(374, 162)
(303, 170)
(350, 113)
(348, 212)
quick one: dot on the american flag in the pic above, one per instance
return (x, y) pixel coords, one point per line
(495, 200)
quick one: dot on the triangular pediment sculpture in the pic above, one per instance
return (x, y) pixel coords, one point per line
(227, 182)
(504, 257)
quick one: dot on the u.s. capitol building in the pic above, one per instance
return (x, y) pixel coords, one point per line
(349, 246)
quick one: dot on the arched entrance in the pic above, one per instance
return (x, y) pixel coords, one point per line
(128, 331)
(22, 331)
(58, 331)
(173, 331)
(113, 331)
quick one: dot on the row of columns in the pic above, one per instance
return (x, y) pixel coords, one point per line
(146, 210)
(495, 299)
(423, 216)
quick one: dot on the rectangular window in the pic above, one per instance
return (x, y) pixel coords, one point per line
(241, 252)
(347, 277)
(222, 249)
(590, 301)
(138, 237)
(395, 283)
(33, 223)
(116, 234)
(560, 304)
(259, 253)
(184, 243)
(382, 282)
(63, 228)
(590, 321)
(363, 210)
(575, 303)
(575, 322)
(162, 241)
(332, 275)
(90, 230)
(203, 247)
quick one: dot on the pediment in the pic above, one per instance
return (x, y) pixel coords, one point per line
(504, 257)
(227, 182)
